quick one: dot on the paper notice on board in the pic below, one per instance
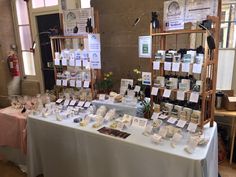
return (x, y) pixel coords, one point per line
(75, 21)
(94, 42)
(198, 10)
(146, 78)
(174, 14)
(95, 60)
(145, 46)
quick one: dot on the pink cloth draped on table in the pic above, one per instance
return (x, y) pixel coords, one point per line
(13, 128)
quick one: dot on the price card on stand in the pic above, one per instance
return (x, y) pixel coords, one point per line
(155, 116)
(87, 104)
(175, 67)
(139, 122)
(194, 96)
(180, 95)
(172, 120)
(58, 82)
(156, 65)
(197, 68)
(80, 104)
(185, 67)
(167, 66)
(154, 91)
(78, 84)
(86, 84)
(73, 102)
(67, 102)
(167, 93)
(102, 97)
(59, 101)
(181, 123)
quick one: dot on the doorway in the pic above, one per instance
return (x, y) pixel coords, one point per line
(48, 25)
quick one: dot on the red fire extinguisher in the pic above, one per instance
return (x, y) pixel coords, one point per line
(13, 62)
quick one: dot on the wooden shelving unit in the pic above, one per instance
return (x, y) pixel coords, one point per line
(58, 44)
(209, 68)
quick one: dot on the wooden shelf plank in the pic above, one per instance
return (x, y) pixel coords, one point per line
(179, 32)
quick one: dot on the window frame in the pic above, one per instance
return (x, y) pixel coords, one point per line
(18, 41)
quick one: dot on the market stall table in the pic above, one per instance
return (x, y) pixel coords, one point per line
(64, 149)
(13, 128)
(13, 135)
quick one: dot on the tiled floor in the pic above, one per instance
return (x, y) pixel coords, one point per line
(8, 169)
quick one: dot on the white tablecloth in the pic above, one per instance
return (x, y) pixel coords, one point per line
(64, 149)
(120, 107)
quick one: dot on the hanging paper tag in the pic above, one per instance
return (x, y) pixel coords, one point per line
(175, 67)
(78, 84)
(156, 65)
(185, 67)
(167, 66)
(154, 91)
(180, 95)
(194, 96)
(58, 82)
(86, 84)
(197, 68)
(167, 93)
(72, 83)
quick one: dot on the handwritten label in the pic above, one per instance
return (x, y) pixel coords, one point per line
(154, 91)
(197, 68)
(102, 97)
(72, 83)
(58, 82)
(86, 84)
(175, 67)
(194, 96)
(185, 67)
(180, 95)
(167, 93)
(78, 84)
(181, 123)
(172, 120)
(192, 127)
(167, 66)
(156, 65)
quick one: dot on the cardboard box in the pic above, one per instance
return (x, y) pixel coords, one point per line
(229, 100)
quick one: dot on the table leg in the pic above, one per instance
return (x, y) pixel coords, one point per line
(232, 141)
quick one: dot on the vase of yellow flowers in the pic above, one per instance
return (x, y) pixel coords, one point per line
(105, 85)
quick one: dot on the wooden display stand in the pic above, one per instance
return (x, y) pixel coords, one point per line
(58, 44)
(209, 68)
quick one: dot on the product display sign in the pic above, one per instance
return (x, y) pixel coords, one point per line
(75, 21)
(95, 60)
(174, 14)
(198, 10)
(145, 46)
(94, 42)
(146, 78)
